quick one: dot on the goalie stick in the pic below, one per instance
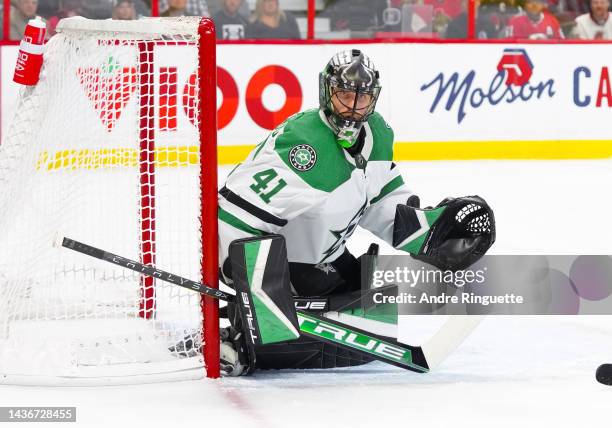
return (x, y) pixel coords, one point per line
(420, 359)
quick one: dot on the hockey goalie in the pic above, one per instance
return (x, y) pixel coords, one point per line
(314, 179)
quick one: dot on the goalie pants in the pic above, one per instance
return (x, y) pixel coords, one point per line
(326, 279)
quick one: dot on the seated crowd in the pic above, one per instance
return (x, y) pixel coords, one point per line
(269, 19)
(494, 19)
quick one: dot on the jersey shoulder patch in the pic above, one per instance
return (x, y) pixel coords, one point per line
(308, 147)
(383, 138)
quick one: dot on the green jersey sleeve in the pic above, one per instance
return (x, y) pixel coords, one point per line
(281, 179)
(380, 214)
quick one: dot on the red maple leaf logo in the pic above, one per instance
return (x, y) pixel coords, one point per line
(108, 90)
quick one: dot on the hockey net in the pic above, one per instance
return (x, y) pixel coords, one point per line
(110, 149)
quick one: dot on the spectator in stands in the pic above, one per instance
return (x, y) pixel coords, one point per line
(407, 17)
(215, 6)
(191, 8)
(175, 8)
(269, 21)
(230, 24)
(450, 8)
(103, 9)
(502, 9)
(536, 23)
(67, 8)
(48, 8)
(124, 10)
(142, 8)
(97, 9)
(361, 17)
(21, 12)
(566, 11)
(596, 25)
(487, 26)
(440, 21)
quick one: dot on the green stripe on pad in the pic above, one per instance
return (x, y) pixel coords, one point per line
(251, 250)
(433, 215)
(415, 246)
(271, 328)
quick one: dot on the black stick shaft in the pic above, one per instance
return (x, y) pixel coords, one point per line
(145, 269)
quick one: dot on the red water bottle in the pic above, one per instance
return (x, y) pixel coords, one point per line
(30, 57)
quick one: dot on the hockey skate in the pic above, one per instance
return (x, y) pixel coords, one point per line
(234, 359)
(233, 355)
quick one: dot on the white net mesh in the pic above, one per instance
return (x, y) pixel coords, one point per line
(89, 156)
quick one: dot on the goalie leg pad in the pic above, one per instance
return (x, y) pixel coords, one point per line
(263, 290)
(307, 353)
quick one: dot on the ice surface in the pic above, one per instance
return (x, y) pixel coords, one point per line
(512, 371)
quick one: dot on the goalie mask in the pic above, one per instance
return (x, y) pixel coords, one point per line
(348, 91)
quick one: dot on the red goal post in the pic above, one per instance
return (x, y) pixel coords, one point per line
(86, 157)
(208, 186)
(208, 175)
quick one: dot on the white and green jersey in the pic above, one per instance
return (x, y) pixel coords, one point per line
(303, 185)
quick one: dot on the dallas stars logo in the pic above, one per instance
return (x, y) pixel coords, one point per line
(343, 234)
(302, 157)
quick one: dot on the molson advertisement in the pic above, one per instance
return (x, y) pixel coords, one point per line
(444, 101)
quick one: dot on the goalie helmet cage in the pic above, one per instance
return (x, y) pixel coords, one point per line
(115, 146)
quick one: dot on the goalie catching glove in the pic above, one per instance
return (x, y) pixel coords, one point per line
(452, 236)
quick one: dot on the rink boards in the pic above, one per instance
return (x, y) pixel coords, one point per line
(444, 101)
